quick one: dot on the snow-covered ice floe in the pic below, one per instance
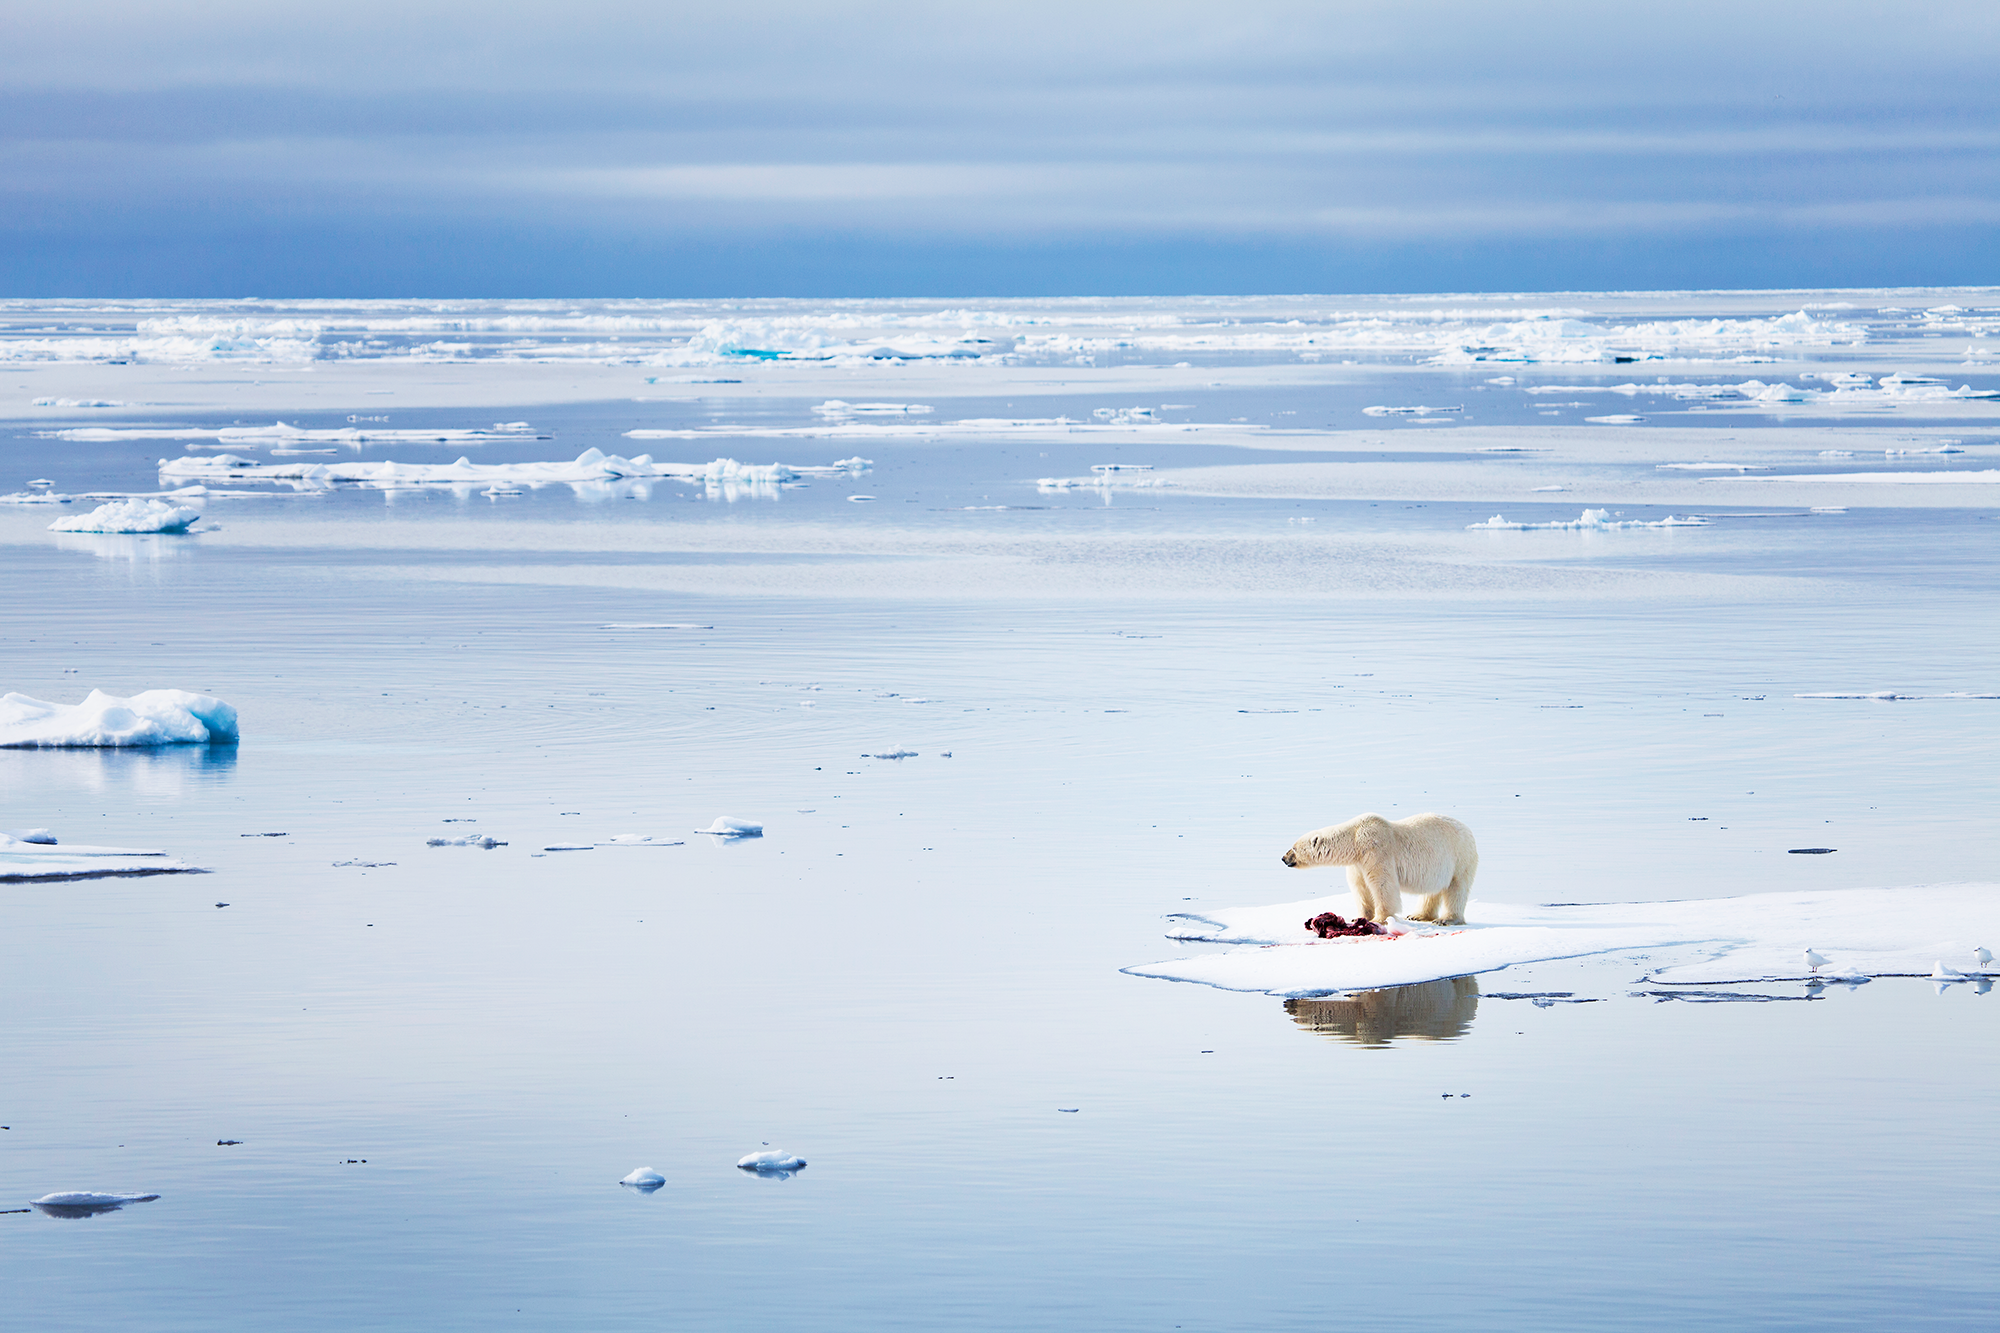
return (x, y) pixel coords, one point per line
(774, 1160)
(130, 516)
(725, 827)
(156, 717)
(644, 1179)
(1591, 520)
(590, 465)
(34, 854)
(467, 840)
(1862, 933)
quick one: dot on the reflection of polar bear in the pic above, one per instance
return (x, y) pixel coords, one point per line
(1428, 1011)
(1426, 854)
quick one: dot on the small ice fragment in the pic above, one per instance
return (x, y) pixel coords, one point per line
(860, 499)
(772, 1160)
(1620, 420)
(1069, 1110)
(625, 624)
(1944, 972)
(469, 840)
(639, 840)
(1548, 488)
(1811, 851)
(644, 1178)
(154, 717)
(85, 1203)
(893, 754)
(571, 847)
(725, 827)
(38, 835)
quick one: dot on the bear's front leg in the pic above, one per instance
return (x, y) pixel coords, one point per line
(1381, 896)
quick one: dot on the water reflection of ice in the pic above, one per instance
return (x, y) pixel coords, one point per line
(127, 545)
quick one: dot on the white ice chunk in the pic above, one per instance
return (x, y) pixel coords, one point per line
(639, 840)
(130, 516)
(834, 407)
(1623, 419)
(37, 835)
(644, 1177)
(773, 1160)
(156, 717)
(1592, 520)
(88, 1199)
(725, 827)
(469, 840)
(1755, 938)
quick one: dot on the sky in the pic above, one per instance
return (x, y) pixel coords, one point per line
(420, 148)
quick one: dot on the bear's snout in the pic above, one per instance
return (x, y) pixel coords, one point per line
(1291, 859)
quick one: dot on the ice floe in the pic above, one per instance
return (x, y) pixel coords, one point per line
(725, 827)
(43, 858)
(468, 840)
(834, 407)
(589, 466)
(1888, 696)
(645, 1179)
(1591, 520)
(155, 717)
(282, 433)
(1757, 938)
(131, 516)
(1985, 477)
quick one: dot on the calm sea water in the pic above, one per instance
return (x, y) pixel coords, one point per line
(439, 1061)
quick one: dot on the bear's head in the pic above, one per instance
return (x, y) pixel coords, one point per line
(1337, 845)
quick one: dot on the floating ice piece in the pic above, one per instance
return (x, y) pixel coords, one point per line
(859, 499)
(1550, 488)
(1409, 411)
(469, 840)
(1887, 696)
(281, 433)
(85, 1203)
(1623, 419)
(1592, 520)
(725, 827)
(571, 847)
(1750, 939)
(35, 835)
(639, 840)
(1945, 972)
(772, 1160)
(1711, 467)
(130, 516)
(1105, 480)
(156, 717)
(35, 498)
(834, 407)
(633, 624)
(77, 402)
(644, 1178)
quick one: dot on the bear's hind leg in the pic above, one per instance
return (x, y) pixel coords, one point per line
(1453, 902)
(1433, 908)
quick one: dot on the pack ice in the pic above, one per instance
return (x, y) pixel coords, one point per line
(130, 516)
(1714, 941)
(156, 717)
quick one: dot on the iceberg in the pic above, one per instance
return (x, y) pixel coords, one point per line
(774, 1160)
(130, 516)
(725, 827)
(156, 717)
(1757, 938)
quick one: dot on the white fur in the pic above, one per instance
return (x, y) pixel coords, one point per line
(1429, 855)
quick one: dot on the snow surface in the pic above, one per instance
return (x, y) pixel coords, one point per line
(130, 516)
(1592, 520)
(1756, 938)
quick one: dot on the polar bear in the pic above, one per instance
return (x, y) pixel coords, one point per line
(1426, 854)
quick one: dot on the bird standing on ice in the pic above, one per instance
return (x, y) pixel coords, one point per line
(1813, 960)
(1982, 956)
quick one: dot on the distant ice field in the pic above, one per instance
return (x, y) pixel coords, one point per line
(1066, 665)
